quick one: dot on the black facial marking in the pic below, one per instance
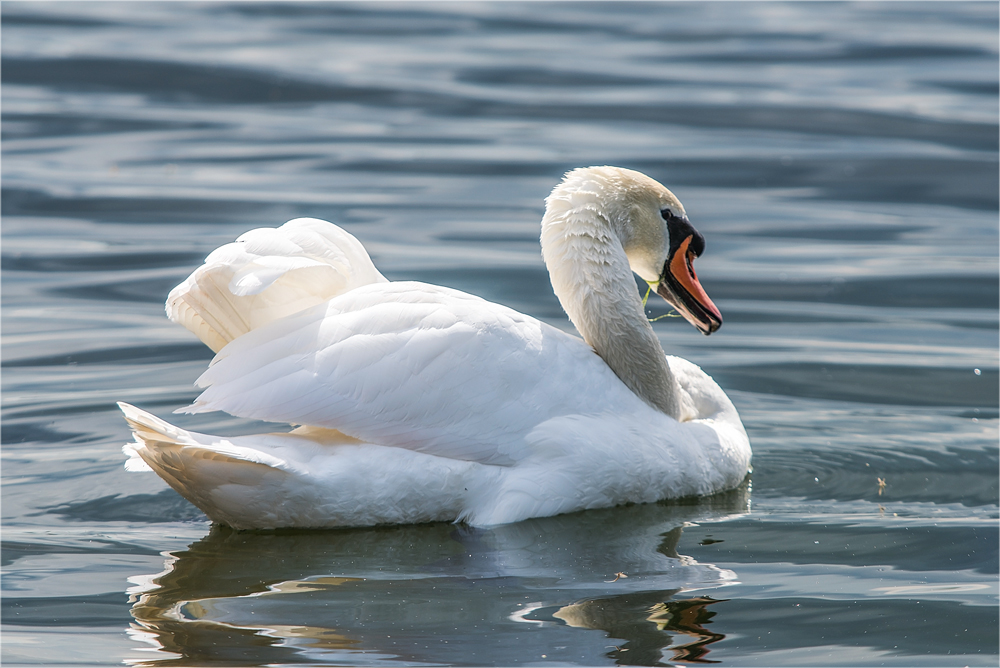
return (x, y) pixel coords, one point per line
(679, 229)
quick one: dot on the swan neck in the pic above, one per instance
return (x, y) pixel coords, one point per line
(592, 278)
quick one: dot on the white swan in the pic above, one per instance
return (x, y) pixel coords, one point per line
(421, 403)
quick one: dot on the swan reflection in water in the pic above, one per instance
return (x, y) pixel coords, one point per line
(441, 593)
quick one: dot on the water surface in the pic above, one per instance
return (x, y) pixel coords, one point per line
(841, 161)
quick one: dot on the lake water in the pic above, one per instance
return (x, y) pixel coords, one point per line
(841, 161)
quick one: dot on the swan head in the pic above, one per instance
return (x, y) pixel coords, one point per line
(653, 228)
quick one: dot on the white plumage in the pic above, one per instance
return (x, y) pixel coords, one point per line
(422, 403)
(266, 275)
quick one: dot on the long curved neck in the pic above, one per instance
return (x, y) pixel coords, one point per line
(591, 277)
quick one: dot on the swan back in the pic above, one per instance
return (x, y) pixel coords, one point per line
(417, 367)
(267, 274)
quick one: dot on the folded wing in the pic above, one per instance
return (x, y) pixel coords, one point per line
(414, 366)
(267, 274)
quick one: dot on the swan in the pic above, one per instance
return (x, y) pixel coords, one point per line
(419, 403)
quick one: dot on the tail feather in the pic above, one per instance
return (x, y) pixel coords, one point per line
(219, 477)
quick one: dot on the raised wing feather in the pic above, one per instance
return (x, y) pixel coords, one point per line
(414, 366)
(267, 274)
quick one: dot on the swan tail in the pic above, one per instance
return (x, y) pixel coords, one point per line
(226, 481)
(308, 478)
(267, 274)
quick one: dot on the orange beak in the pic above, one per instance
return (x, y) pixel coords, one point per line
(679, 286)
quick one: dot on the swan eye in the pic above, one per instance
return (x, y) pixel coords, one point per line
(679, 228)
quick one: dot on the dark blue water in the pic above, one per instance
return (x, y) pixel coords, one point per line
(841, 161)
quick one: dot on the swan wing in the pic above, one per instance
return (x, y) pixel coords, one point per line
(267, 274)
(414, 366)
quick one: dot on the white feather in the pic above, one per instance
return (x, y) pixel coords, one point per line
(267, 274)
